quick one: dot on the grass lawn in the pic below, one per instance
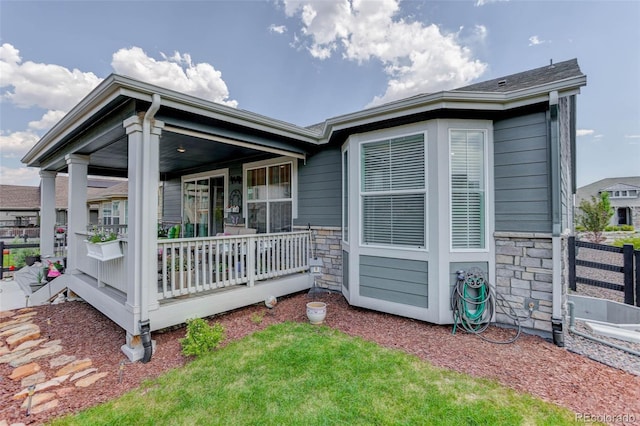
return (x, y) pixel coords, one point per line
(299, 374)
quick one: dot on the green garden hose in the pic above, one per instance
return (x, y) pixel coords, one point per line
(473, 301)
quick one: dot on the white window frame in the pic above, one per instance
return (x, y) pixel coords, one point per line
(266, 164)
(345, 204)
(485, 167)
(362, 193)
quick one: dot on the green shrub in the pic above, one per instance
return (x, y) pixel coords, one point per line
(594, 216)
(19, 256)
(628, 240)
(201, 338)
(619, 228)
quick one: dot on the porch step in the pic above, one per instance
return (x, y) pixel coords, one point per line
(616, 332)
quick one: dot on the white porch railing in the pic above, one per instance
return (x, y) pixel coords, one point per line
(193, 265)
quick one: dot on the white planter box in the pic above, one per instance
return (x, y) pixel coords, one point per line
(104, 251)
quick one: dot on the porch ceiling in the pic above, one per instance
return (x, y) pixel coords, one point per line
(112, 159)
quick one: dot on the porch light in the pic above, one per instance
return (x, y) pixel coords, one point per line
(181, 149)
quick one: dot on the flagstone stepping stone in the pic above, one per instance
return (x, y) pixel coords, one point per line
(6, 314)
(61, 360)
(25, 315)
(18, 328)
(4, 350)
(74, 367)
(29, 344)
(5, 325)
(41, 386)
(82, 374)
(38, 399)
(45, 407)
(65, 391)
(13, 355)
(89, 380)
(28, 357)
(52, 342)
(24, 371)
(15, 340)
(34, 379)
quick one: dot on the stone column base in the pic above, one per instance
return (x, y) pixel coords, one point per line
(133, 348)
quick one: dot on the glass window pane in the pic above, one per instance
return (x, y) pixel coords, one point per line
(467, 189)
(257, 184)
(257, 216)
(280, 181)
(280, 216)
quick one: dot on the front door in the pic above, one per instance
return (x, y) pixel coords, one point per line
(203, 206)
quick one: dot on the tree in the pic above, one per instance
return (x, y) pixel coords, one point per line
(595, 216)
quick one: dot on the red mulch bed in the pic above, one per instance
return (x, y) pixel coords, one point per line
(530, 365)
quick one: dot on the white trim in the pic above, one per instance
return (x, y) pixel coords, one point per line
(345, 191)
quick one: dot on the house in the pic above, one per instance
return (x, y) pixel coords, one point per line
(393, 200)
(624, 196)
(20, 204)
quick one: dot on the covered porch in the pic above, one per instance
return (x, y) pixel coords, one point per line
(193, 166)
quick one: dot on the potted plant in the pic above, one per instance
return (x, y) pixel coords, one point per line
(103, 246)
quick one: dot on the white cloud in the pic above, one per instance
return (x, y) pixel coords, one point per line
(17, 143)
(485, 2)
(46, 86)
(47, 121)
(632, 136)
(535, 40)
(584, 132)
(280, 29)
(20, 176)
(417, 58)
(176, 72)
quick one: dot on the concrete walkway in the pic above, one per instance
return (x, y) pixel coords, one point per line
(11, 296)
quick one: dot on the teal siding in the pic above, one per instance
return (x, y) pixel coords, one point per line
(394, 280)
(320, 189)
(521, 172)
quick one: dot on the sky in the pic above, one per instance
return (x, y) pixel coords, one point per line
(306, 61)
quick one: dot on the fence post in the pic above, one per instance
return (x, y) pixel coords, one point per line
(572, 263)
(627, 254)
(2, 260)
(637, 266)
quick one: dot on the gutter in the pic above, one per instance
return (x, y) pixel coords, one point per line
(142, 233)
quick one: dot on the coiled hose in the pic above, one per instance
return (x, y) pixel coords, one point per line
(474, 300)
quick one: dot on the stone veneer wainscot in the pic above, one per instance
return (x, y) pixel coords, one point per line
(326, 241)
(524, 271)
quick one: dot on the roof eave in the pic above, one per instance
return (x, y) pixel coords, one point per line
(470, 100)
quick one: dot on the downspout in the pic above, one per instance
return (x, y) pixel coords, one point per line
(145, 327)
(556, 220)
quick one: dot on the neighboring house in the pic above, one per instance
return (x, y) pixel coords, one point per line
(624, 195)
(109, 206)
(393, 200)
(20, 204)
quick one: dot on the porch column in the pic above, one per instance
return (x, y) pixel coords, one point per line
(143, 168)
(77, 205)
(47, 212)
